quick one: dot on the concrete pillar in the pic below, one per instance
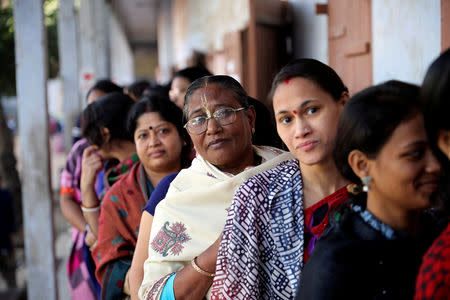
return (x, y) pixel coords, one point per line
(94, 42)
(165, 38)
(68, 57)
(31, 80)
(87, 42)
(102, 12)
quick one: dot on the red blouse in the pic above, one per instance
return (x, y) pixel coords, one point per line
(433, 280)
(317, 218)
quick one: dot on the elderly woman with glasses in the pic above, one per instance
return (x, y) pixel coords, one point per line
(187, 225)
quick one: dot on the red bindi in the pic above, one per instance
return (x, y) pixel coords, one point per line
(287, 80)
(294, 111)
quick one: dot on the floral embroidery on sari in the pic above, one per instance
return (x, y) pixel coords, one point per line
(170, 239)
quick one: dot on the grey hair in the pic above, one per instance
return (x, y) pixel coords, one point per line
(224, 81)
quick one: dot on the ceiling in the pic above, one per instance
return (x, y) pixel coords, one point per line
(138, 17)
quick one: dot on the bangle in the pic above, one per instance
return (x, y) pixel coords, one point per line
(90, 209)
(197, 268)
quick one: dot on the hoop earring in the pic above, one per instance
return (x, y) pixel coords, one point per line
(365, 180)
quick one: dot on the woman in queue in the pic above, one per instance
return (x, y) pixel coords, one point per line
(277, 216)
(182, 80)
(433, 281)
(104, 125)
(179, 85)
(187, 226)
(374, 249)
(163, 148)
(83, 286)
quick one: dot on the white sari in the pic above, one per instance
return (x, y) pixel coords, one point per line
(192, 216)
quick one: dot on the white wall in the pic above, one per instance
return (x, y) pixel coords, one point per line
(204, 24)
(310, 30)
(122, 61)
(406, 38)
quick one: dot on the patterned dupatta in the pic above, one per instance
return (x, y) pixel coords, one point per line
(192, 216)
(261, 252)
(119, 220)
(114, 174)
(263, 244)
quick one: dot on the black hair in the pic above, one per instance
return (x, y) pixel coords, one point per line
(224, 81)
(160, 103)
(435, 95)
(435, 100)
(321, 74)
(108, 111)
(369, 118)
(192, 73)
(104, 85)
(137, 88)
(157, 89)
(265, 129)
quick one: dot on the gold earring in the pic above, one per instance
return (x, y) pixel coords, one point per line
(353, 188)
(253, 130)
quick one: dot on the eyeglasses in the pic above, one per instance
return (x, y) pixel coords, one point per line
(224, 116)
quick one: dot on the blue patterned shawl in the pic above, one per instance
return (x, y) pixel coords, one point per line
(261, 254)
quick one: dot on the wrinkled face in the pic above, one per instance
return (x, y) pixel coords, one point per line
(306, 118)
(405, 172)
(158, 143)
(223, 146)
(178, 90)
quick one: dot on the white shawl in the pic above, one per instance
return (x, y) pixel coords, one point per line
(192, 216)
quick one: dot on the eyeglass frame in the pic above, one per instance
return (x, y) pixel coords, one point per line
(235, 110)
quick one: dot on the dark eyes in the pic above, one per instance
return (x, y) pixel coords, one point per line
(416, 154)
(285, 120)
(198, 120)
(311, 110)
(223, 113)
(218, 114)
(288, 118)
(160, 132)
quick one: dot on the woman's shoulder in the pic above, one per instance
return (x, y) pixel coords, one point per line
(276, 176)
(79, 147)
(116, 190)
(440, 249)
(74, 157)
(434, 273)
(284, 169)
(346, 235)
(269, 149)
(257, 188)
(159, 193)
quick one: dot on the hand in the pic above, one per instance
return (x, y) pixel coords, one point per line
(92, 164)
(90, 238)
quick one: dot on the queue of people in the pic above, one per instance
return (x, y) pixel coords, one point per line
(186, 194)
